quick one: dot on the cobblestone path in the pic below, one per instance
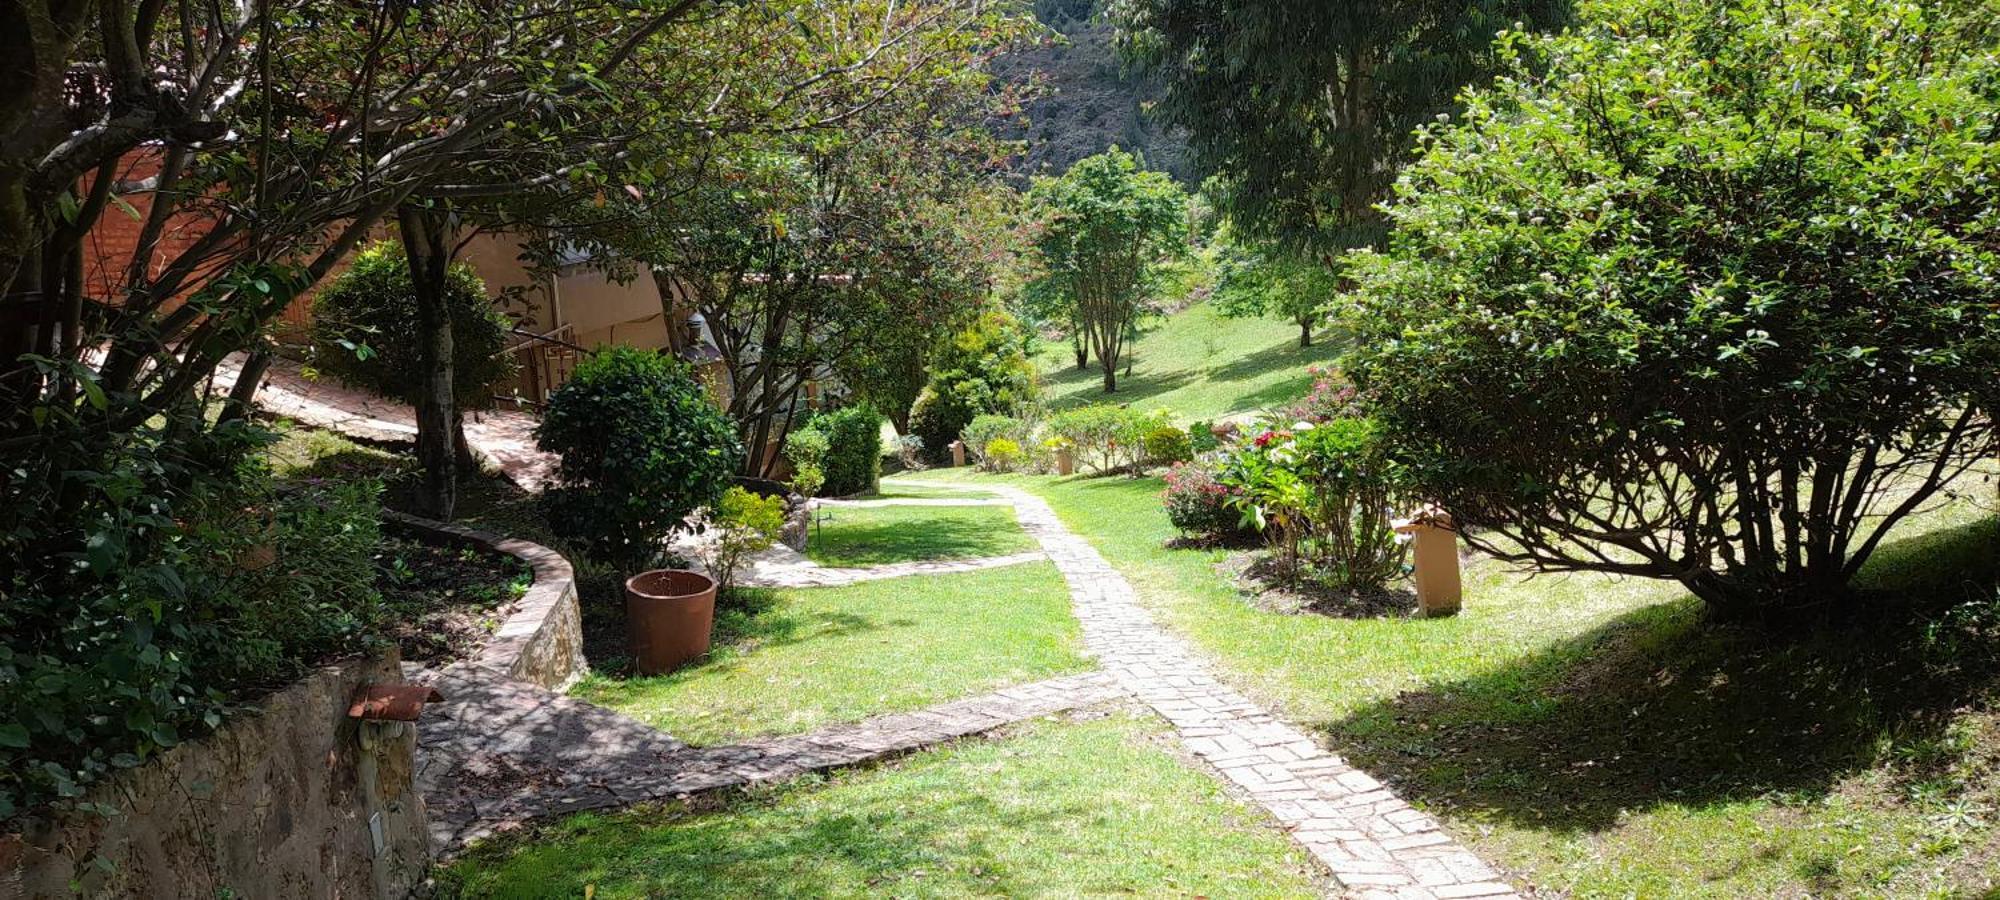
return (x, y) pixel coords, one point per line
(1375, 844)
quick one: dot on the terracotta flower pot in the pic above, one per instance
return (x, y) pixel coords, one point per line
(669, 614)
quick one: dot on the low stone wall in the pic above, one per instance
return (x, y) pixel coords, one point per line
(541, 642)
(294, 800)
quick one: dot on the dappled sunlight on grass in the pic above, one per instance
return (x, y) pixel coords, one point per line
(1058, 808)
(1198, 363)
(1600, 736)
(788, 661)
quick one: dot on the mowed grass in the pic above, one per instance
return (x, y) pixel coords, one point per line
(1599, 738)
(1198, 363)
(878, 535)
(789, 661)
(1052, 809)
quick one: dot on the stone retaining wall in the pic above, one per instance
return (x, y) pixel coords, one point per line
(294, 800)
(541, 642)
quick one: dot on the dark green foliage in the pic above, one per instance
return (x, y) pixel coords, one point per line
(1701, 291)
(371, 305)
(853, 449)
(1305, 107)
(983, 369)
(186, 600)
(642, 447)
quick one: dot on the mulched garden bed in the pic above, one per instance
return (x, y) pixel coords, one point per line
(445, 600)
(1259, 575)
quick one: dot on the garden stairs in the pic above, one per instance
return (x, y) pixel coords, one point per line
(500, 752)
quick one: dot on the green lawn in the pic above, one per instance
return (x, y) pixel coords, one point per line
(878, 535)
(1053, 809)
(1198, 363)
(1595, 736)
(790, 661)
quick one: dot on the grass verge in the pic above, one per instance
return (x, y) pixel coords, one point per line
(879, 535)
(1054, 808)
(789, 661)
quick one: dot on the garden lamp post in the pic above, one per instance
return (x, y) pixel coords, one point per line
(1434, 545)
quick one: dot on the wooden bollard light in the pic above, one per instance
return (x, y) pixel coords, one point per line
(1065, 460)
(957, 453)
(1434, 545)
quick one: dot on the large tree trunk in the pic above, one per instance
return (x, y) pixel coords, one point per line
(1305, 333)
(437, 452)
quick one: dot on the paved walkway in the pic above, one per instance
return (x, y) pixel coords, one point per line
(498, 753)
(1376, 845)
(506, 752)
(506, 437)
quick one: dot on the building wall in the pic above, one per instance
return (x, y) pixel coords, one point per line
(603, 311)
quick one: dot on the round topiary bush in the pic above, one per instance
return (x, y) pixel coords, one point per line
(642, 447)
(361, 330)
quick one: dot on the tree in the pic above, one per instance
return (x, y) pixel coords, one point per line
(1306, 107)
(1107, 226)
(362, 334)
(981, 369)
(1275, 283)
(1700, 291)
(802, 250)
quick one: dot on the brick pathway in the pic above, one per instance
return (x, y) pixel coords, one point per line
(497, 753)
(1376, 845)
(504, 436)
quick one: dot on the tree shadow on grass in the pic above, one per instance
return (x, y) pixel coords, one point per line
(914, 536)
(1662, 707)
(748, 621)
(880, 841)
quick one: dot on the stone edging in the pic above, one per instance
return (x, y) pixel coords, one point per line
(541, 641)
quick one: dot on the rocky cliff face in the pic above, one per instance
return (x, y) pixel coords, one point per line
(1090, 101)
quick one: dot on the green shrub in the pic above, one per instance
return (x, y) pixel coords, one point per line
(1700, 290)
(806, 449)
(641, 448)
(742, 523)
(1104, 436)
(983, 369)
(985, 428)
(186, 603)
(854, 449)
(371, 306)
(1001, 455)
(1202, 439)
(1321, 495)
(1166, 443)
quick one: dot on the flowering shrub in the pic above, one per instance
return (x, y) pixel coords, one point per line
(1105, 436)
(1198, 503)
(1332, 397)
(1321, 494)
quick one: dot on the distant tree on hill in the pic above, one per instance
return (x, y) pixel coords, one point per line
(1107, 226)
(1274, 283)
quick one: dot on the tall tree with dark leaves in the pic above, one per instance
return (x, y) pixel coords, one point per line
(1305, 107)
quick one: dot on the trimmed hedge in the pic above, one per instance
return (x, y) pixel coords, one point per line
(853, 449)
(642, 447)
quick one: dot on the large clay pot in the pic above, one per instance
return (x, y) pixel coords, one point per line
(668, 616)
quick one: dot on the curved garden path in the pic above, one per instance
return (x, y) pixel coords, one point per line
(506, 751)
(1375, 844)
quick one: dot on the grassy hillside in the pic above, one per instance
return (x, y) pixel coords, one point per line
(1199, 364)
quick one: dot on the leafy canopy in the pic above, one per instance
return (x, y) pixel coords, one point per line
(1107, 224)
(1702, 291)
